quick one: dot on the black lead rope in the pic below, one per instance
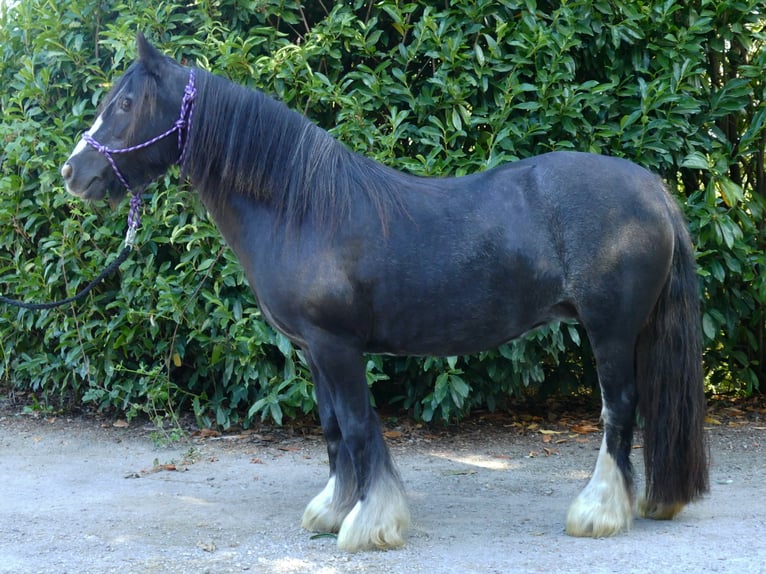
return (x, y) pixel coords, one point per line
(111, 268)
(134, 221)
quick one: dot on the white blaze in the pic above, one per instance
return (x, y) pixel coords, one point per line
(82, 144)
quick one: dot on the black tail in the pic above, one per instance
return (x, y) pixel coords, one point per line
(670, 386)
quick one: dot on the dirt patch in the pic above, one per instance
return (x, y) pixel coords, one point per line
(82, 496)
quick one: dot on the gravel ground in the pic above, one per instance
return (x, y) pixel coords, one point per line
(79, 495)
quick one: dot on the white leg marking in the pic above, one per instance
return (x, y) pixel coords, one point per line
(604, 507)
(379, 521)
(320, 514)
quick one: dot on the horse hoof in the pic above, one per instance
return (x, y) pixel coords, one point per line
(605, 506)
(359, 531)
(596, 523)
(379, 520)
(321, 515)
(600, 511)
(659, 511)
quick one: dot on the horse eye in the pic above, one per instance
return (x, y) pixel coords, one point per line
(125, 104)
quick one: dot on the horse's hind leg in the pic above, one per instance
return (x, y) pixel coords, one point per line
(366, 489)
(605, 505)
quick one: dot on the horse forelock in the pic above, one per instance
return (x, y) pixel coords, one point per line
(143, 88)
(247, 143)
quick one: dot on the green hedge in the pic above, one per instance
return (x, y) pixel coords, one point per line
(442, 89)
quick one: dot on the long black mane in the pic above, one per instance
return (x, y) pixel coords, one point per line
(244, 142)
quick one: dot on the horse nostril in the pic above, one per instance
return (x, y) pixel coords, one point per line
(66, 171)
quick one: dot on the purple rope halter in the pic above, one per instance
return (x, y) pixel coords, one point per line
(181, 125)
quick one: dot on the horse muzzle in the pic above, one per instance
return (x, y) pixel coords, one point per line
(84, 184)
(92, 187)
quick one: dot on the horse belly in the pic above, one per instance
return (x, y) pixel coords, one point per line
(463, 313)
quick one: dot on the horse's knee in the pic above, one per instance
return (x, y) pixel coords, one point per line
(605, 505)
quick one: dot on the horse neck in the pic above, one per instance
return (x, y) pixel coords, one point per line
(245, 143)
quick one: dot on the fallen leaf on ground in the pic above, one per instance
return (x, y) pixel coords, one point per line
(323, 535)
(170, 467)
(584, 428)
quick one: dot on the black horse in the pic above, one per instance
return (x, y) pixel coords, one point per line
(347, 257)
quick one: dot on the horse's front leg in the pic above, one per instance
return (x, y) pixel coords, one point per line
(366, 489)
(326, 511)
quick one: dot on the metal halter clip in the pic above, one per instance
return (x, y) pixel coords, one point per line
(130, 237)
(134, 219)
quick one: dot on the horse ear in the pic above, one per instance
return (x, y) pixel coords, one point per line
(148, 54)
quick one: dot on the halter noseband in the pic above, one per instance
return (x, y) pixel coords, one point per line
(181, 125)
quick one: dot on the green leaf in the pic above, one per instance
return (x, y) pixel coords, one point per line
(574, 334)
(479, 54)
(284, 345)
(731, 193)
(708, 326)
(696, 160)
(457, 123)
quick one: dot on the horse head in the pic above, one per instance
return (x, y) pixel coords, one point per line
(127, 146)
